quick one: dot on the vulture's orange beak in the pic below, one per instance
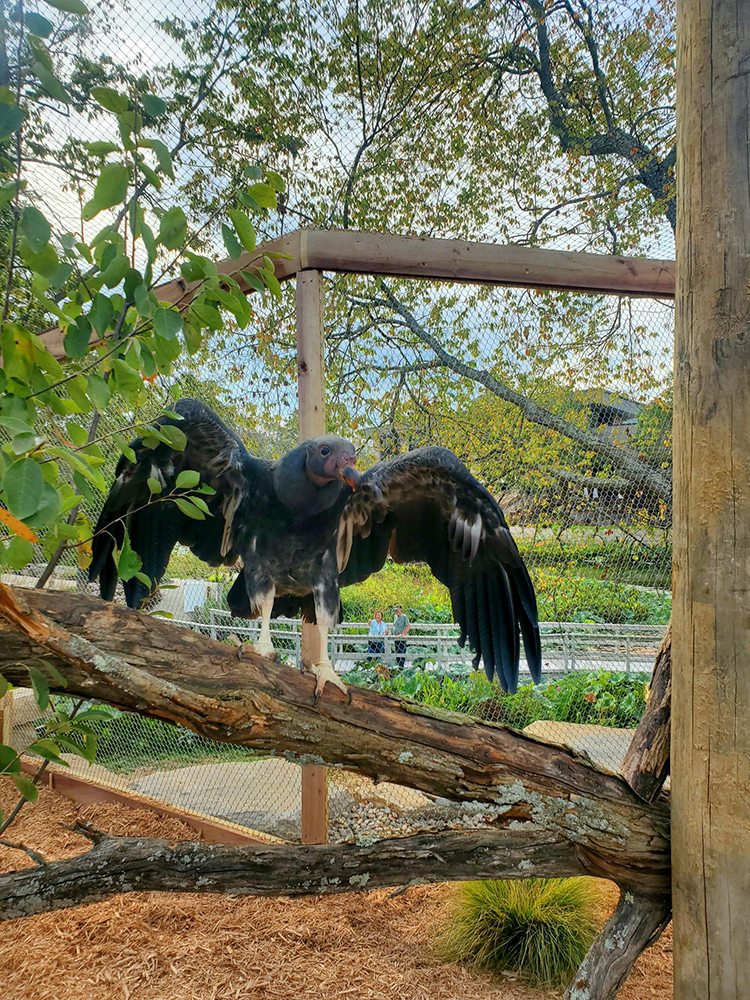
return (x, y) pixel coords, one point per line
(348, 472)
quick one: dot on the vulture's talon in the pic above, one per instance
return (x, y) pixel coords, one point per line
(240, 650)
(325, 673)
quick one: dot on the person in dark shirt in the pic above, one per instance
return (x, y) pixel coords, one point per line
(401, 627)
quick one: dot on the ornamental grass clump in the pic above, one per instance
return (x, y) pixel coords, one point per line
(540, 928)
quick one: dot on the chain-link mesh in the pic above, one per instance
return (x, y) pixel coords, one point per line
(412, 118)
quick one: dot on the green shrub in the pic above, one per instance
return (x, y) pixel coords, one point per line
(619, 559)
(562, 596)
(603, 698)
(540, 928)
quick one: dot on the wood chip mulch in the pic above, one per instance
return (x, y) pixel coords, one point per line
(163, 946)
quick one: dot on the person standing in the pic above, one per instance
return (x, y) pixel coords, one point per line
(375, 642)
(401, 628)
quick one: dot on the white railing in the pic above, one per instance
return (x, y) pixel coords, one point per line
(566, 646)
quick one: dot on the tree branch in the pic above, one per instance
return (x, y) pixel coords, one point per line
(636, 923)
(141, 664)
(130, 864)
(622, 458)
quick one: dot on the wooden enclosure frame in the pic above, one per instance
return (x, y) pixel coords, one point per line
(315, 251)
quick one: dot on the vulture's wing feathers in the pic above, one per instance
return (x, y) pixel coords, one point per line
(426, 506)
(155, 524)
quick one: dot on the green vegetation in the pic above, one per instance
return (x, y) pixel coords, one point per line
(603, 698)
(541, 928)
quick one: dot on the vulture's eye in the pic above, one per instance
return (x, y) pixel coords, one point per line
(325, 452)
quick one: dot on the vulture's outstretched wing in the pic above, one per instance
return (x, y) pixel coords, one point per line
(154, 524)
(426, 506)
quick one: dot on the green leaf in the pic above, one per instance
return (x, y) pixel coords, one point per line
(275, 180)
(80, 466)
(128, 561)
(11, 119)
(9, 761)
(244, 228)
(98, 392)
(173, 228)
(26, 786)
(50, 83)
(102, 313)
(111, 186)
(153, 105)
(77, 387)
(189, 509)
(77, 338)
(35, 228)
(7, 191)
(207, 315)
(199, 502)
(233, 245)
(116, 271)
(144, 579)
(187, 479)
(162, 155)
(50, 504)
(110, 99)
(37, 24)
(263, 194)
(127, 379)
(272, 282)
(101, 147)
(253, 281)
(167, 322)
(22, 488)
(143, 301)
(175, 437)
(47, 749)
(40, 684)
(124, 447)
(19, 552)
(4, 686)
(154, 485)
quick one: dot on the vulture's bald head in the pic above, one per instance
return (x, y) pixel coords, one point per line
(329, 458)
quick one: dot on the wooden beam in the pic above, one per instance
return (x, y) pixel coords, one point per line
(425, 257)
(711, 607)
(312, 422)
(483, 263)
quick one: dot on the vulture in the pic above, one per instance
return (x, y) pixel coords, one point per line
(310, 523)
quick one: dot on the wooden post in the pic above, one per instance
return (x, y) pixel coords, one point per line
(711, 611)
(312, 422)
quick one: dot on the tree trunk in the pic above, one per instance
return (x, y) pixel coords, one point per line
(146, 665)
(711, 613)
(636, 923)
(646, 764)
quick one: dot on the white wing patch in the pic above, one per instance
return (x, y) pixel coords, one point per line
(344, 542)
(466, 531)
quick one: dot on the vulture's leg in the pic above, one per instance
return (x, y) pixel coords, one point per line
(264, 646)
(323, 669)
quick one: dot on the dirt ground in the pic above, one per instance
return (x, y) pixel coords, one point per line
(162, 946)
